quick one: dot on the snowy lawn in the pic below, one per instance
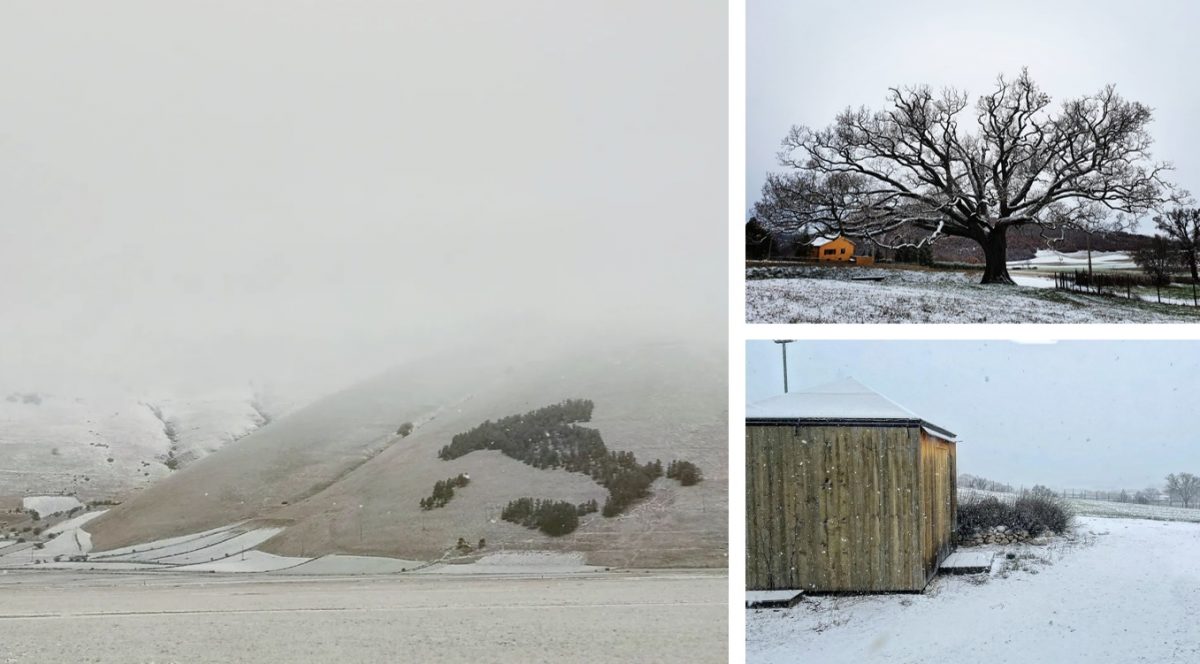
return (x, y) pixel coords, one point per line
(1122, 591)
(832, 295)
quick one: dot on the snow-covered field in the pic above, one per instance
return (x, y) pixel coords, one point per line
(1123, 590)
(61, 616)
(47, 505)
(1076, 260)
(233, 549)
(818, 294)
(1106, 508)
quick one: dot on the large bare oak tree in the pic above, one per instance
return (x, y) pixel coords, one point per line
(932, 165)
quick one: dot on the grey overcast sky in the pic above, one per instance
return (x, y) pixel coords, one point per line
(212, 192)
(806, 61)
(1082, 415)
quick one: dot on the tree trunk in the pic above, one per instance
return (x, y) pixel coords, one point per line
(1195, 276)
(995, 255)
(1089, 250)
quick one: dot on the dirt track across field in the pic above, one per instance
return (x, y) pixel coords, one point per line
(677, 616)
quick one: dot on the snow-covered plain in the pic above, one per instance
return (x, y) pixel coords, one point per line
(70, 616)
(820, 294)
(1122, 591)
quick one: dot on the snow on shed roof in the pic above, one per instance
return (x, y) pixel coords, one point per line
(841, 400)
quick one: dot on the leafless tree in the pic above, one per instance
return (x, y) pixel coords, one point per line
(1183, 226)
(1184, 487)
(915, 166)
(1156, 260)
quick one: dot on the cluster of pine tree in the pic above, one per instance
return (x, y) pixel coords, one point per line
(628, 483)
(685, 471)
(549, 438)
(543, 438)
(443, 491)
(553, 517)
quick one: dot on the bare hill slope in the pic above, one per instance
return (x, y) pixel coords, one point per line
(340, 480)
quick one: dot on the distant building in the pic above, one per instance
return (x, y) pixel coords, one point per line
(846, 491)
(827, 249)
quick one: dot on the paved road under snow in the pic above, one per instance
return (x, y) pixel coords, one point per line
(104, 617)
(1127, 591)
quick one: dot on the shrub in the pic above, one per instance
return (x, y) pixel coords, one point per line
(443, 491)
(1034, 514)
(1042, 513)
(404, 429)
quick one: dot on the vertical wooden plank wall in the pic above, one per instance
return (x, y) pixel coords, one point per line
(940, 504)
(834, 508)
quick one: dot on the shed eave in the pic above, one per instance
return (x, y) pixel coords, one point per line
(848, 421)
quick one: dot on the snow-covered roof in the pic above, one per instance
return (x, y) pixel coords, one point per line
(843, 400)
(822, 241)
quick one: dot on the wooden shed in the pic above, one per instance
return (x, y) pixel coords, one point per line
(846, 491)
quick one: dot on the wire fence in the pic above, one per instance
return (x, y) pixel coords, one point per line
(1121, 284)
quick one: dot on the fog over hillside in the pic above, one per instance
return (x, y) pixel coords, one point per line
(203, 196)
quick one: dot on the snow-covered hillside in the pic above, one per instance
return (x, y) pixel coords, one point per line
(100, 447)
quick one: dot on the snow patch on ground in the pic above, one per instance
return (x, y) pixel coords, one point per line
(247, 561)
(72, 523)
(47, 505)
(522, 562)
(340, 564)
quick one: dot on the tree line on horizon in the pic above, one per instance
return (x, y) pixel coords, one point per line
(1183, 488)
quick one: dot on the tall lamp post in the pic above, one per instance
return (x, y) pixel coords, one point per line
(783, 344)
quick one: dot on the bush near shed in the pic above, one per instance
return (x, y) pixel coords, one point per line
(1034, 513)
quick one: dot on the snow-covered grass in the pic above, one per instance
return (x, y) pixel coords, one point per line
(1105, 508)
(818, 294)
(1121, 591)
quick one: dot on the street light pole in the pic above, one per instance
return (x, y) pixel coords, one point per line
(783, 344)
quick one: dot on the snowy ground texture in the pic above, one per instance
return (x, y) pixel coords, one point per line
(1122, 590)
(58, 616)
(819, 294)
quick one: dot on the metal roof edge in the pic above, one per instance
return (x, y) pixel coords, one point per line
(849, 421)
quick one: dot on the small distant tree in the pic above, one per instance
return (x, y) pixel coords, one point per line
(1184, 487)
(1040, 491)
(482, 543)
(404, 429)
(1182, 225)
(1156, 260)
